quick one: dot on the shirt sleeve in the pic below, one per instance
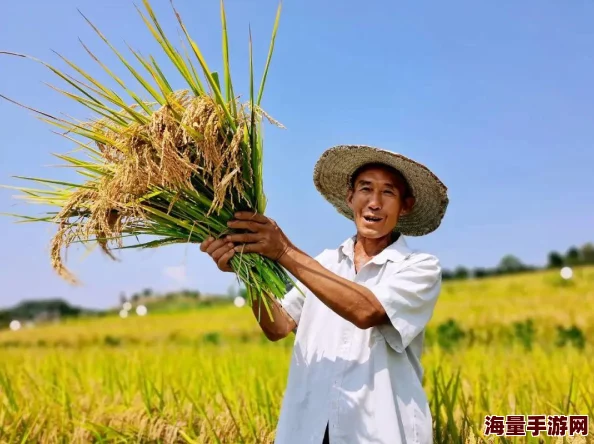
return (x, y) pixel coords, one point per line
(408, 297)
(294, 300)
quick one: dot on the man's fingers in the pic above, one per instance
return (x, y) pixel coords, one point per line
(243, 237)
(223, 249)
(204, 245)
(220, 250)
(244, 224)
(223, 262)
(215, 246)
(248, 215)
(247, 248)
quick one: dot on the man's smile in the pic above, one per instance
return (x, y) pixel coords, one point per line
(372, 219)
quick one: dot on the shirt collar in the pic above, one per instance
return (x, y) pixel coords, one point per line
(395, 252)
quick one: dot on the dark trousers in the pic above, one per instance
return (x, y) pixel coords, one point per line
(326, 438)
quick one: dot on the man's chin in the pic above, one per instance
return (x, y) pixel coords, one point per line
(371, 233)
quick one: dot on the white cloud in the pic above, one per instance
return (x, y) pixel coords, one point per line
(176, 273)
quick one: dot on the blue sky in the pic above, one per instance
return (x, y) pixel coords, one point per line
(495, 97)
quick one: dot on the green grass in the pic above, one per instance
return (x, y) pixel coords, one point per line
(209, 376)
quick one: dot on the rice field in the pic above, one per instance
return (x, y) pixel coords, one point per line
(509, 345)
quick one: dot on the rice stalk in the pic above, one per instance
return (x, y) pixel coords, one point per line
(174, 169)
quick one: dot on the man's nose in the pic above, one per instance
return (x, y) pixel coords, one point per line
(375, 202)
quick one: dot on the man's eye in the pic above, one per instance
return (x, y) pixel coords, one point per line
(389, 192)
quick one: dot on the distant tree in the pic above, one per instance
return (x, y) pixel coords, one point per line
(123, 299)
(555, 260)
(480, 272)
(461, 273)
(510, 264)
(31, 308)
(587, 253)
(192, 294)
(446, 274)
(135, 297)
(572, 257)
(147, 292)
(5, 318)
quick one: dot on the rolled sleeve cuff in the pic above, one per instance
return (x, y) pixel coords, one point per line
(399, 333)
(408, 298)
(293, 304)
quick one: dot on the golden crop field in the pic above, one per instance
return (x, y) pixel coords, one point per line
(509, 345)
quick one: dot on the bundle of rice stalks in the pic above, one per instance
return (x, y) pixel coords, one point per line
(175, 168)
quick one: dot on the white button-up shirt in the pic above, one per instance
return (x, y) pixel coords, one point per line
(366, 384)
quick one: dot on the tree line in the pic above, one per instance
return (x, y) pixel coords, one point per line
(42, 310)
(510, 264)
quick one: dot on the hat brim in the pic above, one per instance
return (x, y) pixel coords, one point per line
(333, 171)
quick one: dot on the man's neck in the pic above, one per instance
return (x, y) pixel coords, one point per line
(368, 248)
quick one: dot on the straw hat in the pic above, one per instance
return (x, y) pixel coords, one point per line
(333, 171)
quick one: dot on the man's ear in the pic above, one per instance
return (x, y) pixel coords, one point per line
(349, 199)
(409, 203)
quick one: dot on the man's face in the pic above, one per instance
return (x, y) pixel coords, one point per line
(376, 201)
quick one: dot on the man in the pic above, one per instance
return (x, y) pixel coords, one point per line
(355, 374)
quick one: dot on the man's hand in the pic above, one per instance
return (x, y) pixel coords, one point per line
(221, 252)
(269, 239)
(265, 236)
